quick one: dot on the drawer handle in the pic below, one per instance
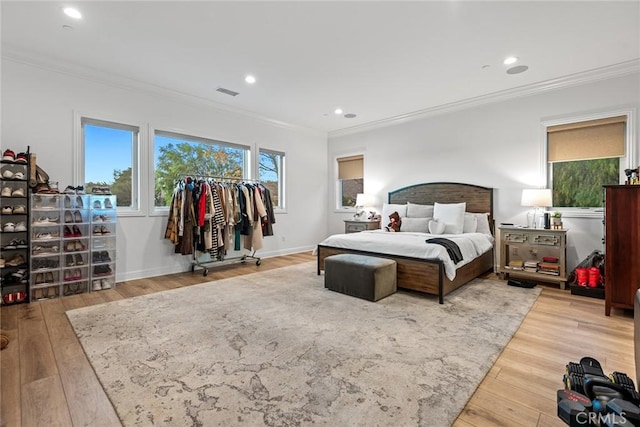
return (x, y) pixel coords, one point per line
(546, 240)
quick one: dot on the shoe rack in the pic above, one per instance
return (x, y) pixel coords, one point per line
(73, 244)
(103, 241)
(14, 228)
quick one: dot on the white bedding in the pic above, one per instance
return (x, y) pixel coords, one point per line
(413, 245)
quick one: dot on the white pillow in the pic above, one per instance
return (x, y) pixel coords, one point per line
(388, 209)
(470, 223)
(436, 227)
(419, 211)
(483, 223)
(415, 225)
(452, 214)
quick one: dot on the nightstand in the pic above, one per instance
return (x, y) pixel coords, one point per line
(355, 226)
(522, 251)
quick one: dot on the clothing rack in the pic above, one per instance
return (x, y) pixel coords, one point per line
(204, 265)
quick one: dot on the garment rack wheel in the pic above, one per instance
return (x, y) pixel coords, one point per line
(258, 262)
(205, 272)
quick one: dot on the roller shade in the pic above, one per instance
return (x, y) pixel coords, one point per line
(592, 139)
(350, 167)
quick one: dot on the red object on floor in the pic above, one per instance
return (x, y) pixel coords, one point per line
(594, 277)
(582, 276)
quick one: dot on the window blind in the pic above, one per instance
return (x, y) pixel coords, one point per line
(592, 139)
(350, 167)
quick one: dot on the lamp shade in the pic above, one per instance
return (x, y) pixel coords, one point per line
(537, 197)
(365, 200)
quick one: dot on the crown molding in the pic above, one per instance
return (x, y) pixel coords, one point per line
(590, 76)
(119, 81)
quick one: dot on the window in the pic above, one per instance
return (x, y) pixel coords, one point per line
(111, 159)
(350, 180)
(583, 156)
(177, 156)
(271, 175)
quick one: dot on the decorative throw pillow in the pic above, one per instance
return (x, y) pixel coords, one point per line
(483, 223)
(452, 214)
(388, 209)
(419, 211)
(470, 223)
(416, 225)
(436, 227)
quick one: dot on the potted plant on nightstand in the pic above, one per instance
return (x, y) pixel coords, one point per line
(556, 220)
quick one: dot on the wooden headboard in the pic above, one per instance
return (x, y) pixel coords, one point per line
(478, 199)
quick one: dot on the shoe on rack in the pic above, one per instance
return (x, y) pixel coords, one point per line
(15, 261)
(7, 210)
(97, 204)
(79, 260)
(96, 229)
(67, 202)
(105, 284)
(68, 260)
(12, 245)
(79, 202)
(19, 209)
(7, 174)
(48, 277)
(69, 190)
(68, 217)
(104, 256)
(53, 186)
(18, 192)
(96, 285)
(9, 227)
(67, 232)
(76, 231)
(22, 244)
(6, 192)
(107, 204)
(79, 246)
(9, 156)
(80, 189)
(104, 230)
(18, 176)
(77, 216)
(39, 278)
(21, 158)
(21, 226)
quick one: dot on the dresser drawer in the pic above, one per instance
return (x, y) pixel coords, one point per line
(546, 239)
(515, 237)
(354, 227)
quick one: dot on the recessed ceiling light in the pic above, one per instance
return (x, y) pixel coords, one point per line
(250, 79)
(510, 60)
(73, 13)
(338, 111)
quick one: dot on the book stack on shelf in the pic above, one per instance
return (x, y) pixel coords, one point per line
(531, 265)
(549, 265)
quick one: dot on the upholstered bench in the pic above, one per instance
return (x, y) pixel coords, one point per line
(360, 276)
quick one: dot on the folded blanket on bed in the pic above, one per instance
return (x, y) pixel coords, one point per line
(452, 248)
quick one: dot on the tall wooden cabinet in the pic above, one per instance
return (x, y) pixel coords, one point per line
(622, 245)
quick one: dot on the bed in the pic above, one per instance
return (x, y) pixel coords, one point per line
(428, 275)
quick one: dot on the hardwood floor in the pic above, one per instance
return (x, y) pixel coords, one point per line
(46, 380)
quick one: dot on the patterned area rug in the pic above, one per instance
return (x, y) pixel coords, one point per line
(277, 349)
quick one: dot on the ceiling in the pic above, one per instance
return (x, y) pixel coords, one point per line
(377, 60)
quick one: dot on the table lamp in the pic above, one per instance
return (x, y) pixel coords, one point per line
(363, 201)
(536, 198)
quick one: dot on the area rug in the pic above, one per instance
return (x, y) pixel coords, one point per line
(276, 348)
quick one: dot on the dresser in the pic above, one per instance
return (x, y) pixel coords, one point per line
(523, 252)
(355, 226)
(621, 245)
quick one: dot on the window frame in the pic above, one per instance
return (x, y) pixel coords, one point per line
(282, 197)
(338, 207)
(137, 161)
(626, 162)
(191, 137)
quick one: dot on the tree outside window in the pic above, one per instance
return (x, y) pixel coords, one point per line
(270, 174)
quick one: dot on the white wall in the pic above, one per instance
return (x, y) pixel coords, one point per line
(38, 108)
(495, 145)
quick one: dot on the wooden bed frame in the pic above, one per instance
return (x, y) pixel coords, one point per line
(428, 275)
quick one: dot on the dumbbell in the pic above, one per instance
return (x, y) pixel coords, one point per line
(573, 408)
